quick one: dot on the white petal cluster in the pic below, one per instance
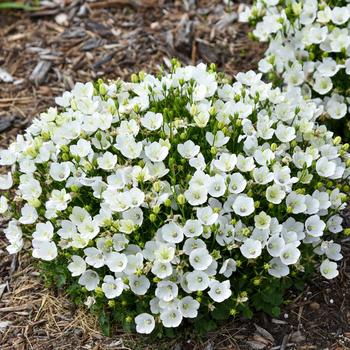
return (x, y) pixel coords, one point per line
(166, 188)
(309, 50)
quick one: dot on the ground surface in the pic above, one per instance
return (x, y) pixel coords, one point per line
(42, 54)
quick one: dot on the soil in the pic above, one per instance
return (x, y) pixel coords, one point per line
(43, 53)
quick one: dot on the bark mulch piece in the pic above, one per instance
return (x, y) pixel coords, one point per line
(44, 53)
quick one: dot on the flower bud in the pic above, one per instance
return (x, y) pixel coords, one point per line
(181, 199)
(156, 209)
(233, 312)
(111, 303)
(347, 232)
(337, 140)
(134, 78)
(167, 202)
(128, 319)
(213, 151)
(152, 217)
(274, 147)
(157, 186)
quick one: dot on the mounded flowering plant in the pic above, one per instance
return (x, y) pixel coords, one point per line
(178, 198)
(309, 48)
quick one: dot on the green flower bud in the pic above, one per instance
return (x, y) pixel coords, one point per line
(273, 147)
(99, 292)
(124, 303)
(157, 186)
(134, 78)
(345, 147)
(337, 140)
(319, 185)
(167, 202)
(65, 157)
(152, 217)
(213, 151)
(257, 204)
(128, 319)
(257, 281)
(347, 232)
(329, 184)
(111, 303)
(102, 89)
(346, 188)
(183, 136)
(233, 312)
(289, 210)
(181, 199)
(156, 209)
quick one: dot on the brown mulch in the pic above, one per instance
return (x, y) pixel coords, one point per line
(45, 53)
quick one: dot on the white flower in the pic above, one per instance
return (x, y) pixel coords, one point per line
(207, 216)
(314, 226)
(81, 149)
(275, 244)
(188, 149)
(220, 291)
(226, 162)
(145, 323)
(112, 287)
(43, 231)
(228, 267)
(44, 250)
(197, 281)
(243, 205)
(196, 195)
(296, 202)
(3, 204)
(334, 224)
(193, 228)
(328, 269)
(322, 84)
(325, 168)
(189, 307)
(28, 215)
(60, 171)
(340, 15)
(262, 220)
(217, 186)
(77, 266)
(156, 152)
(162, 270)
(166, 290)
(251, 248)
(7, 157)
(116, 262)
(245, 164)
(164, 253)
(107, 161)
(89, 279)
(275, 194)
(172, 233)
(289, 254)
(200, 259)
(6, 181)
(285, 133)
(277, 268)
(94, 257)
(171, 318)
(139, 284)
(237, 183)
(152, 121)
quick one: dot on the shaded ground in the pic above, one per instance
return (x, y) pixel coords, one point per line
(44, 53)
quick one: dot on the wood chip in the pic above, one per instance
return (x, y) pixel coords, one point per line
(40, 71)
